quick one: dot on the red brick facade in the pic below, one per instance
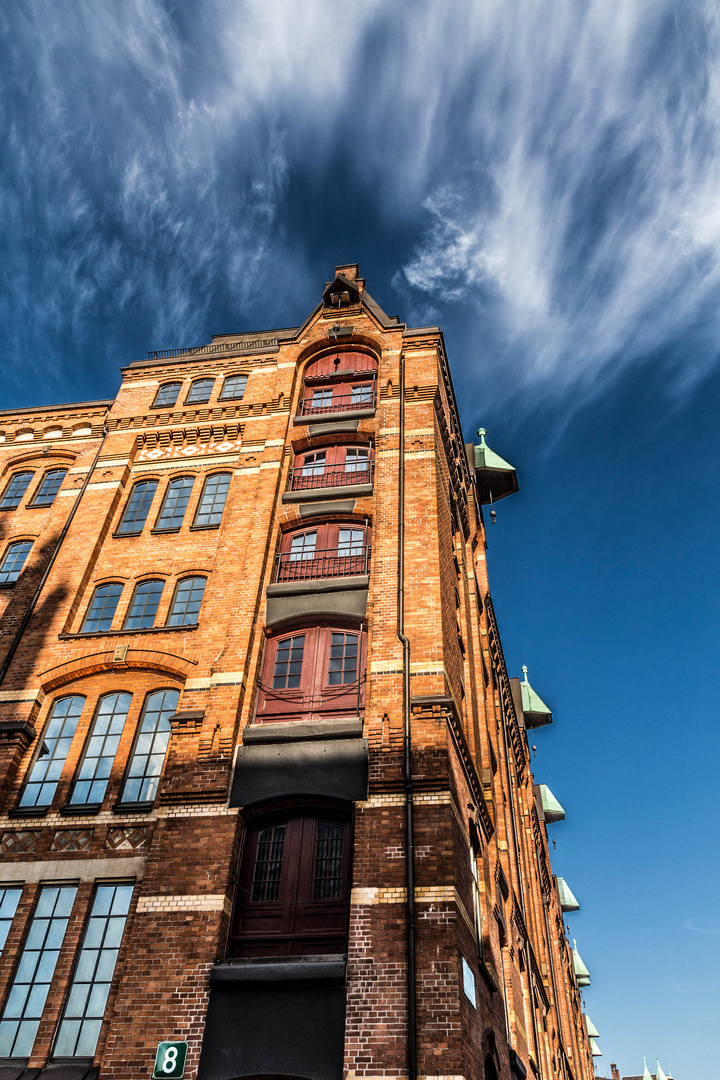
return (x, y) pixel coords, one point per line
(471, 784)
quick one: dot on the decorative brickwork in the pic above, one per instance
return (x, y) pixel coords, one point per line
(19, 843)
(127, 838)
(71, 840)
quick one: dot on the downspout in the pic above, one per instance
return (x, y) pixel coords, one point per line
(407, 742)
(51, 562)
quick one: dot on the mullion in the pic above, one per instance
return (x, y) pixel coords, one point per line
(175, 504)
(145, 603)
(108, 727)
(150, 747)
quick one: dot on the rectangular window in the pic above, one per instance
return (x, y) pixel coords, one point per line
(268, 863)
(14, 560)
(288, 663)
(145, 603)
(361, 395)
(303, 547)
(101, 749)
(343, 663)
(149, 752)
(314, 464)
(102, 608)
(321, 400)
(350, 542)
(54, 749)
(327, 873)
(175, 503)
(356, 460)
(138, 507)
(212, 501)
(15, 490)
(29, 990)
(83, 1016)
(9, 900)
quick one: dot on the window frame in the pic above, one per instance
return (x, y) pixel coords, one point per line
(178, 585)
(327, 374)
(135, 531)
(223, 396)
(296, 880)
(157, 404)
(83, 805)
(128, 614)
(328, 560)
(175, 480)
(97, 588)
(126, 777)
(308, 700)
(334, 471)
(37, 808)
(197, 382)
(198, 508)
(36, 500)
(10, 581)
(30, 473)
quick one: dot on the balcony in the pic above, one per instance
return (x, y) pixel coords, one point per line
(323, 563)
(337, 402)
(307, 480)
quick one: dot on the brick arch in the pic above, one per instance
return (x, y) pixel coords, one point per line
(36, 456)
(352, 343)
(177, 667)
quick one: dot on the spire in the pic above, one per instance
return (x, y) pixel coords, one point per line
(535, 711)
(647, 1075)
(659, 1075)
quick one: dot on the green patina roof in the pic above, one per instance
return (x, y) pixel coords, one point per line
(660, 1075)
(595, 1049)
(581, 972)
(534, 709)
(647, 1075)
(567, 902)
(552, 809)
(591, 1029)
(495, 477)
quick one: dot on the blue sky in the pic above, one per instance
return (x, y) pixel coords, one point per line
(542, 180)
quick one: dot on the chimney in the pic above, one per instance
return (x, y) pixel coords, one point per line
(615, 1071)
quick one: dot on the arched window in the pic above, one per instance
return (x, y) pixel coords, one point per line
(234, 387)
(313, 673)
(101, 748)
(18, 485)
(185, 608)
(333, 466)
(143, 609)
(200, 392)
(151, 743)
(340, 382)
(324, 551)
(167, 395)
(293, 888)
(175, 503)
(212, 501)
(52, 752)
(14, 561)
(137, 508)
(103, 606)
(51, 481)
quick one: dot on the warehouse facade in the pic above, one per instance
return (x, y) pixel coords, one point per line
(266, 790)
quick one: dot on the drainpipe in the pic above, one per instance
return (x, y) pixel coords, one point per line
(51, 562)
(407, 741)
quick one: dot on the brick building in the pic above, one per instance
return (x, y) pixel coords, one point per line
(265, 780)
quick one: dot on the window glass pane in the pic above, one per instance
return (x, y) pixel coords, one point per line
(14, 560)
(80, 1025)
(268, 863)
(327, 873)
(9, 900)
(322, 399)
(54, 749)
(138, 507)
(168, 394)
(314, 464)
(102, 608)
(361, 394)
(143, 608)
(288, 663)
(50, 486)
(175, 503)
(303, 547)
(356, 460)
(101, 749)
(186, 603)
(200, 391)
(149, 753)
(350, 542)
(212, 501)
(234, 387)
(26, 1000)
(19, 483)
(343, 663)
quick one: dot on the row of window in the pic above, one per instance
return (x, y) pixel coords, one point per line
(146, 759)
(184, 608)
(79, 1028)
(200, 391)
(44, 495)
(175, 503)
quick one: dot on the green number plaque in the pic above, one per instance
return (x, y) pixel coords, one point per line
(170, 1060)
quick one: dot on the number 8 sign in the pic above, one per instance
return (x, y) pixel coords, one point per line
(170, 1059)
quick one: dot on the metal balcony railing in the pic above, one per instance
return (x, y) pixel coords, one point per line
(339, 403)
(320, 476)
(325, 563)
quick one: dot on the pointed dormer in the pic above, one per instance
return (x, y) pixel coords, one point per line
(346, 288)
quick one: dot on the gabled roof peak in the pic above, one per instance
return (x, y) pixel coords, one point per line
(346, 288)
